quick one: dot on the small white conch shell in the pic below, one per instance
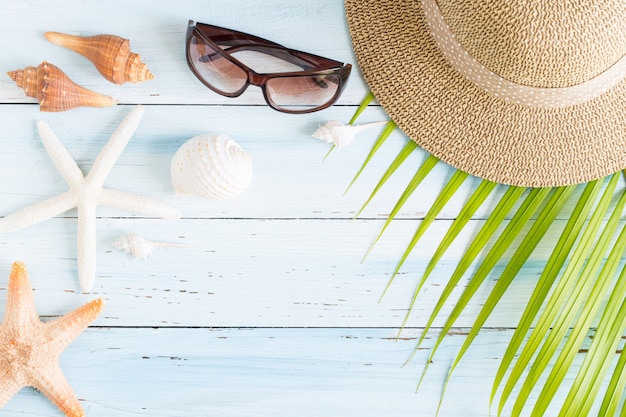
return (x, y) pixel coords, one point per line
(339, 134)
(212, 166)
(139, 247)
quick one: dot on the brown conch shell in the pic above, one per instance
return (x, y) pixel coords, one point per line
(109, 53)
(55, 91)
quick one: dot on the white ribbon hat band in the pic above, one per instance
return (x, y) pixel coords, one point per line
(507, 90)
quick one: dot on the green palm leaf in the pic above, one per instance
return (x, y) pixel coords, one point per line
(572, 290)
(389, 127)
(618, 380)
(588, 295)
(606, 340)
(448, 191)
(539, 228)
(479, 196)
(493, 222)
(555, 304)
(408, 149)
(417, 179)
(364, 103)
(530, 204)
(546, 280)
(599, 358)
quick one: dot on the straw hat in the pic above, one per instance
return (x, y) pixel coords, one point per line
(529, 93)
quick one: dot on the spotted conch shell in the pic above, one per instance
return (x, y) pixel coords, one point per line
(54, 90)
(110, 54)
(212, 166)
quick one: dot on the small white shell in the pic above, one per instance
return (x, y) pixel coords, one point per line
(212, 166)
(339, 134)
(139, 247)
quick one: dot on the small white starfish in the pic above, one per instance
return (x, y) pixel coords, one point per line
(87, 192)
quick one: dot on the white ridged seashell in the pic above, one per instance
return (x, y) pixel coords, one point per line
(212, 166)
(139, 247)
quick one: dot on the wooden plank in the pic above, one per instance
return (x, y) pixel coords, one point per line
(278, 372)
(253, 272)
(291, 179)
(157, 33)
(283, 259)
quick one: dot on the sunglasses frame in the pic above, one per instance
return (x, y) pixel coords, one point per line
(311, 64)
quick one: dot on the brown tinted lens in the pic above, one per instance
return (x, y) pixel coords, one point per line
(214, 68)
(304, 92)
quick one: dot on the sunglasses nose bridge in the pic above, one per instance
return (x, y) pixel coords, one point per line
(256, 79)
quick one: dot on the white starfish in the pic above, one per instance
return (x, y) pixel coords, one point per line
(87, 192)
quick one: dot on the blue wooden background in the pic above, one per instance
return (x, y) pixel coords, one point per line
(269, 311)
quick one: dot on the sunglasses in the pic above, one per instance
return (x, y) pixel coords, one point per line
(292, 81)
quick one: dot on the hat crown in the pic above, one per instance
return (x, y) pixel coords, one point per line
(540, 43)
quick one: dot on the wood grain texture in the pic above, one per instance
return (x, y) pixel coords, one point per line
(269, 311)
(204, 372)
(244, 272)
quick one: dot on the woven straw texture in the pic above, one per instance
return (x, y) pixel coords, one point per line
(461, 124)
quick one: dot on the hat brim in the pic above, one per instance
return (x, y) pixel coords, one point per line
(454, 120)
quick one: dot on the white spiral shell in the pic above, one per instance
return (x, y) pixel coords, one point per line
(339, 134)
(212, 166)
(139, 247)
